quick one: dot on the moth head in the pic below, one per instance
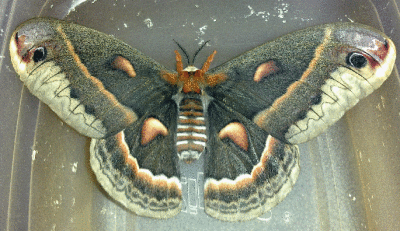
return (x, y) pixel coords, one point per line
(365, 51)
(31, 44)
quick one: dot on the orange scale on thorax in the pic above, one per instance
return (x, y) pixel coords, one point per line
(192, 81)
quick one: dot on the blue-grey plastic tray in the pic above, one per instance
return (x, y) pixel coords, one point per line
(350, 174)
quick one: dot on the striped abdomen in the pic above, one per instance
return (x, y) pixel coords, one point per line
(191, 133)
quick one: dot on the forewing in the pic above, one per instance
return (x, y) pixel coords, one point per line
(297, 85)
(93, 81)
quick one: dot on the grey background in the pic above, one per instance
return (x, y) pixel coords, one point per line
(350, 175)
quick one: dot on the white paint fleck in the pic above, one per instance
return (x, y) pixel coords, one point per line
(74, 167)
(200, 33)
(57, 202)
(287, 217)
(383, 101)
(261, 13)
(305, 19)
(278, 11)
(202, 30)
(148, 22)
(353, 198)
(251, 11)
(34, 152)
(351, 20)
(74, 4)
(282, 10)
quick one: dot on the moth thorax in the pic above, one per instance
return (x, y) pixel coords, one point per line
(191, 131)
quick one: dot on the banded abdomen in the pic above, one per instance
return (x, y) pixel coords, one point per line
(191, 129)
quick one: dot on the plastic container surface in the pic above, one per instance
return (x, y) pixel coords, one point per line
(350, 175)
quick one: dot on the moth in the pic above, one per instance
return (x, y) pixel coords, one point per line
(245, 116)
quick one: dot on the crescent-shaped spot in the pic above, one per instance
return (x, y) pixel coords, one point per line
(151, 129)
(123, 64)
(264, 70)
(237, 133)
